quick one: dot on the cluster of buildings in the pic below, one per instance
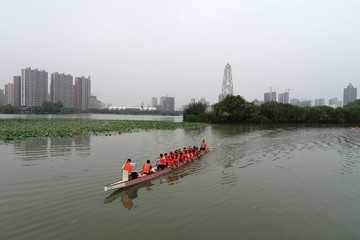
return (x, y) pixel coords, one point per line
(165, 104)
(32, 89)
(349, 95)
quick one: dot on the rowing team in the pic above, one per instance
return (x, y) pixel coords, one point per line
(166, 160)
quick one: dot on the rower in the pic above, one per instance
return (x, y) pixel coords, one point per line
(147, 168)
(161, 162)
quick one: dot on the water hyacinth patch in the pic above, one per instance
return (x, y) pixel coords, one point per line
(18, 129)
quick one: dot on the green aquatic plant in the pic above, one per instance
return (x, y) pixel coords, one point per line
(18, 129)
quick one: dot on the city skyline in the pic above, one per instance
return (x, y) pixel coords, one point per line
(68, 85)
(136, 50)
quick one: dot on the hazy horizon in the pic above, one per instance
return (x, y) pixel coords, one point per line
(136, 50)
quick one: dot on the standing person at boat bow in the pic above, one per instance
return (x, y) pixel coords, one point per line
(203, 145)
(128, 166)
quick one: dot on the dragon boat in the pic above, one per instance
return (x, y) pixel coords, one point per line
(125, 182)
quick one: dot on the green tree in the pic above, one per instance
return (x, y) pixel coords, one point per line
(50, 107)
(352, 112)
(195, 112)
(8, 109)
(233, 109)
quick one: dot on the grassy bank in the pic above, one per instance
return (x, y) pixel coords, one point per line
(17, 129)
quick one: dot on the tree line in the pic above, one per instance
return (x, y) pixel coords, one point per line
(58, 108)
(234, 109)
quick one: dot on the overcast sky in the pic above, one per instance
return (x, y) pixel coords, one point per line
(138, 49)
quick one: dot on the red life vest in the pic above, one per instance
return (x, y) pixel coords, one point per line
(127, 166)
(146, 168)
(162, 161)
(170, 162)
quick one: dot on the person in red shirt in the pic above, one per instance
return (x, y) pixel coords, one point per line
(161, 162)
(170, 161)
(203, 145)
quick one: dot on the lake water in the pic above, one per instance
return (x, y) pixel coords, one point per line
(257, 182)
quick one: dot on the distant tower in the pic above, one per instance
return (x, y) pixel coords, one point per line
(350, 94)
(154, 102)
(227, 87)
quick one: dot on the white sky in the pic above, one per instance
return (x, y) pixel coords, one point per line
(138, 49)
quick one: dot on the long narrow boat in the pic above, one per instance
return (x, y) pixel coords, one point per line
(127, 183)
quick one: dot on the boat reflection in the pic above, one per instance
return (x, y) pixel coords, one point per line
(174, 178)
(127, 195)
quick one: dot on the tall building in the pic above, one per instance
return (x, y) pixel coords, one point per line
(2, 97)
(319, 102)
(61, 89)
(270, 97)
(227, 87)
(304, 103)
(294, 101)
(203, 101)
(333, 102)
(95, 103)
(82, 93)
(9, 94)
(350, 94)
(154, 102)
(167, 103)
(17, 90)
(34, 87)
(283, 97)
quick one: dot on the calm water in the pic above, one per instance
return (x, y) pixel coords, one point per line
(257, 183)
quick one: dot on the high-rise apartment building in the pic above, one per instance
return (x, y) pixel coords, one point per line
(9, 94)
(34, 87)
(305, 103)
(333, 102)
(82, 93)
(319, 102)
(270, 97)
(95, 103)
(61, 89)
(167, 103)
(2, 97)
(154, 102)
(350, 94)
(17, 90)
(283, 97)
